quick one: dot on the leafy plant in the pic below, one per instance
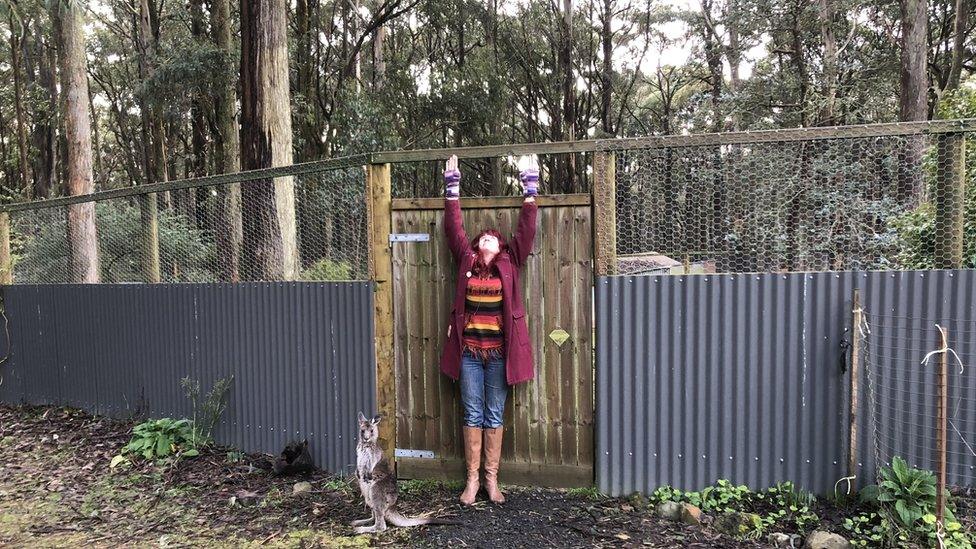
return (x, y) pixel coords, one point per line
(207, 413)
(910, 492)
(953, 536)
(866, 530)
(159, 438)
(723, 496)
(791, 505)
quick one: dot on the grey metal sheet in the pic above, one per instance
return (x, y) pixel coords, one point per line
(301, 355)
(739, 376)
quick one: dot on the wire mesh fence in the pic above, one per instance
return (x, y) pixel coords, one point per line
(303, 227)
(816, 203)
(903, 355)
(818, 199)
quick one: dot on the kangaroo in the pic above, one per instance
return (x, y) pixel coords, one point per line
(377, 482)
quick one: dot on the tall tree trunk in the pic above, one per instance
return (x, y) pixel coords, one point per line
(606, 72)
(827, 16)
(379, 61)
(713, 58)
(15, 52)
(153, 146)
(960, 26)
(913, 96)
(45, 137)
(82, 234)
(227, 152)
(187, 198)
(270, 251)
(565, 58)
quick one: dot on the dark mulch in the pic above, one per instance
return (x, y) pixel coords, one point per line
(55, 481)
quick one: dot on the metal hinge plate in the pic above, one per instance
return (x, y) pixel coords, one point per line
(405, 453)
(409, 237)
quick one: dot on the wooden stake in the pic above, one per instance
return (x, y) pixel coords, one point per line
(379, 196)
(950, 200)
(855, 375)
(6, 264)
(941, 427)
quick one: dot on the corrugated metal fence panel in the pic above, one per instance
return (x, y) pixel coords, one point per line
(301, 356)
(902, 310)
(740, 376)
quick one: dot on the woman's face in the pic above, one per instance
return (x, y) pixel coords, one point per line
(488, 245)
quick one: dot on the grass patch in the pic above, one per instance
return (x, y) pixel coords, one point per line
(586, 492)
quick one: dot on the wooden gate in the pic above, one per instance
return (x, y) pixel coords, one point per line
(549, 421)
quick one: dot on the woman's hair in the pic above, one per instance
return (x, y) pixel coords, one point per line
(480, 267)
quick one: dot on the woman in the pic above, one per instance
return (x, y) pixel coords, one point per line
(488, 345)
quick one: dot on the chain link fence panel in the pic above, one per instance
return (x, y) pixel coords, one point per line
(310, 227)
(867, 202)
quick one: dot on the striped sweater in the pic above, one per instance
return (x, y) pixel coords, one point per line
(483, 317)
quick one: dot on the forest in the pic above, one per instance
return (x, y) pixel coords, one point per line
(103, 94)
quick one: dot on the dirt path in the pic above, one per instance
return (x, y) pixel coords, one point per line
(57, 490)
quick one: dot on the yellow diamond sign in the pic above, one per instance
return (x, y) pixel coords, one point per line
(559, 336)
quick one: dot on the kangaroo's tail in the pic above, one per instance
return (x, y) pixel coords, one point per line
(396, 519)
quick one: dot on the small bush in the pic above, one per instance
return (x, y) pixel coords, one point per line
(160, 438)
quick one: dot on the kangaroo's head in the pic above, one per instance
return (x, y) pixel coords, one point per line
(369, 429)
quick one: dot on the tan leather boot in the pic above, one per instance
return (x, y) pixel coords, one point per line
(493, 456)
(472, 462)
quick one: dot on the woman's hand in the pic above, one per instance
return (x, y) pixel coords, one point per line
(529, 176)
(452, 178)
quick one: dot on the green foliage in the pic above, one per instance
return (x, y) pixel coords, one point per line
(953, 535)
(791, 505)
(866, 529)
(587, 492)
(185, 253)
(910, 492)
(327, 269)
(207, 413)
(160, 438)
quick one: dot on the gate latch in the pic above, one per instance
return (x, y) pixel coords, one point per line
(409, 237)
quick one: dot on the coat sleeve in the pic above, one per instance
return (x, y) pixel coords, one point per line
(525, 233)
(457, 239)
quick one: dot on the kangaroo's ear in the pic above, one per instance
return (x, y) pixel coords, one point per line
(305, 442)
(362, 418)
(377, 418)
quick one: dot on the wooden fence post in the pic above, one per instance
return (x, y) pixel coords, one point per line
(950, 200)
(380, 202)
(605, 213)
(149, 219)
(6, 262)
(855, 382)
(941, 427)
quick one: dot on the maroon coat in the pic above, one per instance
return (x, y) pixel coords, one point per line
(518, 347)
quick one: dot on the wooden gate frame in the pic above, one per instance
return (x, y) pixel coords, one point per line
(380, 216)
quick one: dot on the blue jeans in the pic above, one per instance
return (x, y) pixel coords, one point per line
(483, 391)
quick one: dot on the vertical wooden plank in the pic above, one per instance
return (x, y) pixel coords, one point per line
(549, 445)
(442, 281)
(424, 329)
(403, 297)
(605, 213)
(569, 289)
(950, 197)
(855, 374)
(584, 338)
(6, 265)
(381, 268)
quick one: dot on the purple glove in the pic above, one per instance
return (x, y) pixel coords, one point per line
(452, 183)
(530, 181)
